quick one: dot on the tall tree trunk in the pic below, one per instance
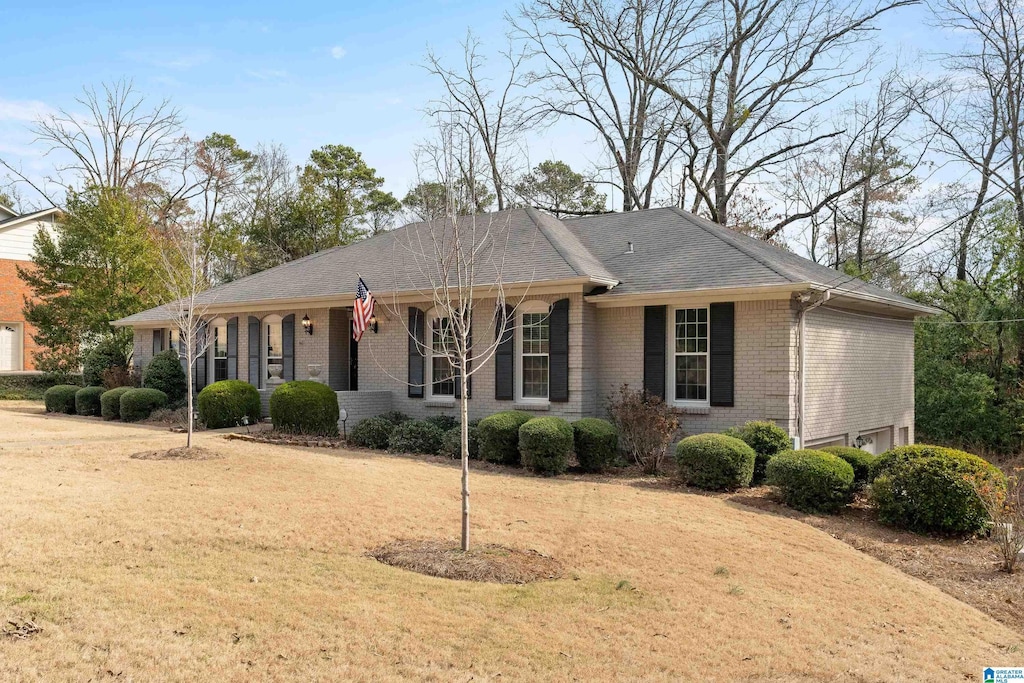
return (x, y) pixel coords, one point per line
(464, 419)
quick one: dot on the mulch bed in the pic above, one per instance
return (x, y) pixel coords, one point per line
(489, 563)
(181, 453)
(282, 439)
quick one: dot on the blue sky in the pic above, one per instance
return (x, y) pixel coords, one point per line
(300, 74)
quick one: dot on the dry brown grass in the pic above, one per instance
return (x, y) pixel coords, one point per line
(486, 562)
(254, 567)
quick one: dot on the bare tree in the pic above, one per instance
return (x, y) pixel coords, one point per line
(491, 113)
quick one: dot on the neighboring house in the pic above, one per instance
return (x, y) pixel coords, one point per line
(17, 233)
(722, 326)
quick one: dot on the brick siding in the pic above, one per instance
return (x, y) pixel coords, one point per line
(13, 291)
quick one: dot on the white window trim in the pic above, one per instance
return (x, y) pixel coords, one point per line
(211, 358)
(264, 340)
(670, 365)
(428, 373)
(525, 308)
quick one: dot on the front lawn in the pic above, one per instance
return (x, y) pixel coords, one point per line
(254, 566)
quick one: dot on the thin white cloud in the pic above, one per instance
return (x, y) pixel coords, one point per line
(23, 110)
(338, 52)
(268, 74)
(164, 60)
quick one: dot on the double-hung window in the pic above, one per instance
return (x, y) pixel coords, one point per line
(534, 331)
(690, 356)
(220, 352)
(442, 373)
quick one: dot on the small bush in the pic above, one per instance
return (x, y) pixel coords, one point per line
(811, 481)
(451, 444)
(61, 399)
(109, 353)
(545, 444)
(443, 422)
(165, 374)
(933, 489)
(596, 443)
(646, 426)
(395, 417)
(139, 404)
(110, 403)
(499, 436)
(861, 461)
(416, 436)
(766, 438)
(228, 403)
(87, 400)
(305, 407)
(373, 432)
(715, 462)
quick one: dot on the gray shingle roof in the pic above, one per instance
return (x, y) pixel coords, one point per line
(673, 251)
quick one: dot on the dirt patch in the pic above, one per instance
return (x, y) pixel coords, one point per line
(490, 563)
(282, 439)
(182, 453)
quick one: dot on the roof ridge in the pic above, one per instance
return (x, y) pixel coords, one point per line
(553, 234)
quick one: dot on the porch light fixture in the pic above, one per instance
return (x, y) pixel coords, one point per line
(307, 324)
(373, 323)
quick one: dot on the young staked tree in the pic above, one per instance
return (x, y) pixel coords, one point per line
(183, 256)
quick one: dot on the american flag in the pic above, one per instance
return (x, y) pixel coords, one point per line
(362, 310)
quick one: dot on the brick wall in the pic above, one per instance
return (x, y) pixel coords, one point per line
(12, 302)
(860, 375)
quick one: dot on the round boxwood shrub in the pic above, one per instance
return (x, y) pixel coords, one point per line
(165, 373)
(596, 443)
(545, 444)
(87, 400)
(932, 489)
(716, 462)
(373, 432)
(109, 353)
(395, 417)
(811, 481)
(861, 461)
(138, 404)
(305, 407)
(110, 403)
(766, 438)
(451, 444)
(228, 403)
(443, 422)
(416, 436)
(499, 436)
(60, 399)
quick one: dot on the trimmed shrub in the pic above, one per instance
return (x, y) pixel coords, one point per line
(596, 443)
(305, 407)
(110, 403)
(933, 489)
(60, 399)
(545, 444)
(499, 436)
(138, 404)
(228, 403)
(87, 400)
(373, 432)
(165, 373)
(451, 444)
(416, 436)
(395, 417)
(766, 438)
(861, 461)
(811, 481)
(109, 353)
(716, 462)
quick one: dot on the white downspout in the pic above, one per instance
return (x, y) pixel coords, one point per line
(807, 304)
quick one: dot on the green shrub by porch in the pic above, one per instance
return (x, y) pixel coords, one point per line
(373, 432)
(87, 401)
(443, 422)
(715, 462)
(596, 443)
(108, 353)
(545, 444)
(499, 436)
(416, 436)
(305, 407)
(451, 445)
(933, 489)
(228, 403)
(110, 403)
(811, 481)
(138, 404)
(766, 438)
(60, 399)
(165, 373)
(861, 461)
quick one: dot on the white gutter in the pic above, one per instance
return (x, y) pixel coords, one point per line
(808, 303)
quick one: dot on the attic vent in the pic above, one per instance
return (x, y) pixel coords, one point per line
(629, 247)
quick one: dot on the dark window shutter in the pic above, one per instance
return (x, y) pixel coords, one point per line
(654, 350)
(255, 373)
(722, 348)
(288, 347)
(558, 352)
(158, 341)
(233, 348)
(416, 349)
(202, 358)
(505, 355)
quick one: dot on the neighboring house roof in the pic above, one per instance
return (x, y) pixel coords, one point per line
(14, 219)
(673, 251)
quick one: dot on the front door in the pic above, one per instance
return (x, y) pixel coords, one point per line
(9, 348)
